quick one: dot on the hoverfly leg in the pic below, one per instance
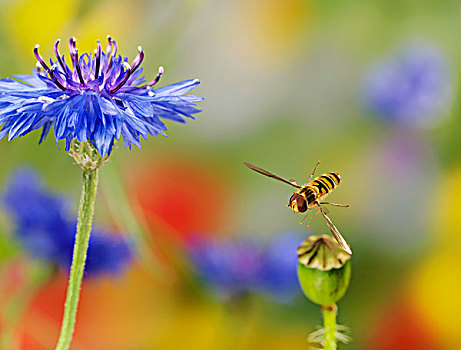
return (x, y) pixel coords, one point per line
(337, 205)
(313, 216)
(305, 216)
(313, 172)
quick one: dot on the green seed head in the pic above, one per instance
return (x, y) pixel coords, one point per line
(324, 270)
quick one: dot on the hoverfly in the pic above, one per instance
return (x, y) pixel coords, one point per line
(308, 196)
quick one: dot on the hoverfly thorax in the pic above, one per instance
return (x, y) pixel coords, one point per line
(311, 194)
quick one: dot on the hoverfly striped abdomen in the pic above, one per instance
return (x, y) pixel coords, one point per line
(326, 183)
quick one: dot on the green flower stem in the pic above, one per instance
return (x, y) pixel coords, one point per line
(329, 326)
(85, 219)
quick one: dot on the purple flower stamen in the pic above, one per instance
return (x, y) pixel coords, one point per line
(72, 46)
(39, 58)
(38, 66)
(125, 78)
(112, 80)
(114, 47)
(138, 60)
(47, 69)
(98, 59)
(74, 55)
(58, 56)
(55, 78)
(75, 61)
(111, 51)
(156, 80)
(78, 68)
(109, 46)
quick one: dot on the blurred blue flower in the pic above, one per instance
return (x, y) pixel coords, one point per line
(230, 266)
(411, 88)
(43, 226)
(279, 277)
(100, 99)
(107, 254)
(234, 266)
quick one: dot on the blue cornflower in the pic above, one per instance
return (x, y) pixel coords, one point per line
(100, 98)
(412, 88)
(235, 266)
(43, 224)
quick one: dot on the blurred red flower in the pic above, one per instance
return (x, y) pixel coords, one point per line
(179, 197)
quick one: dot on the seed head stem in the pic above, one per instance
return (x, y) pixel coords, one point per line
(329, 326)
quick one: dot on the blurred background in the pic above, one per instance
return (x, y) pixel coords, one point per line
(202, 251)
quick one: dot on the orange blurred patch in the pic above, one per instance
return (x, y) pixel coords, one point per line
(121, 313)
(12, 278)
(29, 343)
(180, 197)
(41, 321)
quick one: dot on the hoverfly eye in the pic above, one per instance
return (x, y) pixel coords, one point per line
(301, 203)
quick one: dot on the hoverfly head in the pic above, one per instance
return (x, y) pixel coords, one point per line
(298, 203)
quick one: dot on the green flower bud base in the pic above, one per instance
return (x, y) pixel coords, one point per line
(86, 155)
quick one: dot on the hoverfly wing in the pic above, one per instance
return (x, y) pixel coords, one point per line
(269, 174)
(339, 238)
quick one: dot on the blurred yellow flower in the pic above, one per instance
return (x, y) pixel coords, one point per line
(435, 291)
(448, 206)
(436, 284)
(193, 327)
(272, 31)
(213, 326)
(269, 339)
(29, 22)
